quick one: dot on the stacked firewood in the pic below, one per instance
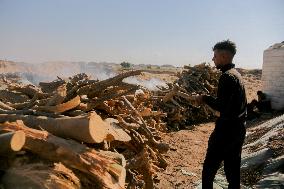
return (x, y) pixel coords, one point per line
(84, 133)
(177, 102)
(80, 133)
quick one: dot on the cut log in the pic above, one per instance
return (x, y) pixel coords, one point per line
(60, 107)
(89, 129)
(104, 169)
(86, 129)
(12, 141)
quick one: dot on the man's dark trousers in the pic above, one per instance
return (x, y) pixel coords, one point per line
(225, 144)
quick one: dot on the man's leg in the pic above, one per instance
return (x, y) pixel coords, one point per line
(212, 163)
(232, 163)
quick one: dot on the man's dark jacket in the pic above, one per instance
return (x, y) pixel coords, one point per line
(230, 102)
(225, 142)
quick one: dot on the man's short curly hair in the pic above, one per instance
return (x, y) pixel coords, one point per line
(226, 45)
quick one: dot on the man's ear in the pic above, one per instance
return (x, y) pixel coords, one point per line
(227, 56)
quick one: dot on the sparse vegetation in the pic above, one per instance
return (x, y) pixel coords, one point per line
(125, 64)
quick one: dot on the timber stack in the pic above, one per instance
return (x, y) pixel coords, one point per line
(176, 102)
(79, 133)
(84, 133)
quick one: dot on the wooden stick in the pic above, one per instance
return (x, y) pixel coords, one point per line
(13, 97)
(5, 106)
(25, 112)
(93, 89)
(110, 96)
(28, 90)
(162, 147)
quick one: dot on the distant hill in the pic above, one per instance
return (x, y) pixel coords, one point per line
(10, 67)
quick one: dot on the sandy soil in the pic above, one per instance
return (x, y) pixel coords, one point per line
(186, 157)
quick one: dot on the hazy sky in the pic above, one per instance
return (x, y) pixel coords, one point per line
(160, 32)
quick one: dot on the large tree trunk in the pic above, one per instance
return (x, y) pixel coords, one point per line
(106, 169)
(89, 129)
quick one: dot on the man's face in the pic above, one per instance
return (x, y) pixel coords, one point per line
(220, 58)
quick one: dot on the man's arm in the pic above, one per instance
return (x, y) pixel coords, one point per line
(224, 94)
(212, 102)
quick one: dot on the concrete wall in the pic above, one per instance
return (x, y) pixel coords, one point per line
(273, 75)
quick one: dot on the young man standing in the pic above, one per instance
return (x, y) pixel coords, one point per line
(225, 143)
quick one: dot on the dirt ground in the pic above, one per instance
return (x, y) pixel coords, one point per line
(188, 148)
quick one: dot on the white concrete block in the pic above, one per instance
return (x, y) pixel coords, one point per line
(273, 59)
(274, 52)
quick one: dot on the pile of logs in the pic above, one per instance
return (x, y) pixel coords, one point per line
(84, 133)
(176, 99)
(80, 133)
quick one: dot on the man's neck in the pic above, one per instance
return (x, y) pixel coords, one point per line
(226, 67)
